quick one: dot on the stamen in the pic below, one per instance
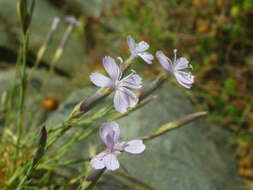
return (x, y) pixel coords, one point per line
(133, 71)
(120, 60)
(175, 54)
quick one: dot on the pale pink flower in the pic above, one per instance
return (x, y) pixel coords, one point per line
(123, 98)
(177, 67)
(109, 134)
(72, 20)
(139, 49)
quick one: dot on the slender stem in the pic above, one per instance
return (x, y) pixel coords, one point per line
(44, 46)
(25, 169)
(91, 181)
(23, 180)
(66, 163)
(53, 139)
(22, 90)
(84, 133)
(127, 64)
(58, 54)
(140, 104)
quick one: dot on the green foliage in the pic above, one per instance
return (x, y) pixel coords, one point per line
(230, 87)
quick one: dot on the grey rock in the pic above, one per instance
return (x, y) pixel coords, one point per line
(7, 79)
(10, 30)
(196, 157)
(73, 55)
(35, 115)
(92, 7)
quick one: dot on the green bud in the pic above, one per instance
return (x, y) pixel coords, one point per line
(41, 146)
(25, 10)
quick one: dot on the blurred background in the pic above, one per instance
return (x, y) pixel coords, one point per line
(215, 35)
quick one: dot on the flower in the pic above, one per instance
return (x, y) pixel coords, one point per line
(109, 134)
(123, 97)
(72, 20)
(184, 78)
(55, 23)
(139, 50)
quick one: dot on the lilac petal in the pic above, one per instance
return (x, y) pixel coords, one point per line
(164, 61)
(111, 67)
(142, 46)
(186, 79)
(147, 57)
(100, 80)
(111, 162)
(135, 146)
(123, 99)
(131, 44)
(119, 101)
(97, 162)
(116, 130)
(105, 130)
(182, 63)
(130, 97)
(109, 141)
(109, 133)
(132, 81)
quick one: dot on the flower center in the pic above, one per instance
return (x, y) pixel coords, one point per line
(116, 84)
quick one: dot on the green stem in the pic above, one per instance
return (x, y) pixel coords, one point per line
(23, 180)
(91, 181)
(22, 90)
(58, 54)
(81, 135)
(60, 164)
(54, 138)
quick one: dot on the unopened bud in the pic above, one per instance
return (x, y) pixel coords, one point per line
(25, 10)
(72, 20)
(90, 102)
(151, 87)
(41, 146)
(55, 23)
(92, 179)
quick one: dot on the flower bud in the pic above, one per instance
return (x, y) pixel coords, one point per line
(25, 10)
(41, 146)
(151, 87)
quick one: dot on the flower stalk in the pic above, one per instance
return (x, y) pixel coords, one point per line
(60, 49)
(174, 125)
(44, 46)
(141, 103)
(91, 180)
(151, 87)
(21, 72)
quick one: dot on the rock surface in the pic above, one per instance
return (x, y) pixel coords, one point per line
(75, 53)
(195, 157)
